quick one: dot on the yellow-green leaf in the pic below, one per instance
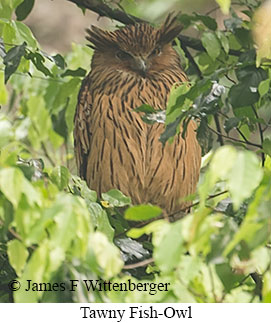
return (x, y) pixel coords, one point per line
(224, 5)
(107, 254)
(17, 254)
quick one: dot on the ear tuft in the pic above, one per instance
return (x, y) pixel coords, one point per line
(170, 29)
(100, 39)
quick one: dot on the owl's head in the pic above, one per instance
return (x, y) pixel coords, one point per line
(140, 48)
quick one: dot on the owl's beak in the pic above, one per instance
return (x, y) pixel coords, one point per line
(140, 64)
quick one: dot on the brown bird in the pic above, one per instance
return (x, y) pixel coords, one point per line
(114, 147)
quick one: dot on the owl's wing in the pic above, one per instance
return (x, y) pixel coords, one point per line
(82, 133)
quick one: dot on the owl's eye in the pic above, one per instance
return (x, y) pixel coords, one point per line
(156, 51)
(123, 55)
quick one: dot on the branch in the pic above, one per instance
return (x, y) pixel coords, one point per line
(183, 210)
(234, 139)
(104, 10)
(191, 59)
(218, 128)
(143, 263)
(260, 132)
(180, 211)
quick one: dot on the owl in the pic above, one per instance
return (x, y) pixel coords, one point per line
(114, 147)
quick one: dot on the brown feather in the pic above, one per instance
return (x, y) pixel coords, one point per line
(114, 148)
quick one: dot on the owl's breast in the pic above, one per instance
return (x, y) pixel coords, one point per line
(125, 152)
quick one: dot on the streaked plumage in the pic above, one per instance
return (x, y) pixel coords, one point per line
(114, 148)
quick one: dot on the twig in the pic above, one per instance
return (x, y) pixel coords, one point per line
(15, 234)
(104, 10)
(237, 129)
(191, 59)
(218, 128)
(259, 284)
(48, 79)
(47, 154)
(212, 10)
(181, 210)
(142, 263)
(234, 139)
(229, 78)
(260, 132)
(197, 203)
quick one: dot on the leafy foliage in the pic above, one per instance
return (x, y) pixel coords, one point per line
(53, 228)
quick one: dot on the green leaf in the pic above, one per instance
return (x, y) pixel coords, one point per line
(70, 109)
(100, 220)
(264, 87)
(13, 59)
(189, 267)
(17, 254)
(55, 139)
(267, 287)
(231, 123)
(169, 250)
(227, 276)
(145, 108)
(241, 183)
(267, 146)
(7, 7)
(25, 34)
(224, 5)
(220, 165)
(79, 72)
(211, 44)
(249, 94)
(59, 61)
(224, 41)
(59, 123)
(6, 132)
(64, 231)
(11, 184)
(152, 227)
(60, 176)
(177, 98)
(35, 269)
(170, 131)
(142, 212)
(208, 21)
(65, 92)
(87, 194)
(116, 198)
(251, 75)
(38, 60)
(107, 254)
(41, 121)
(24, 9)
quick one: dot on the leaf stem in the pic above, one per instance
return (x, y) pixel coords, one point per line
(260, 132)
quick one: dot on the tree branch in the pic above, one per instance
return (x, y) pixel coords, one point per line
(219, 131)
(234, 139)
(143, 263)
(104, 10)
(260, 132)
